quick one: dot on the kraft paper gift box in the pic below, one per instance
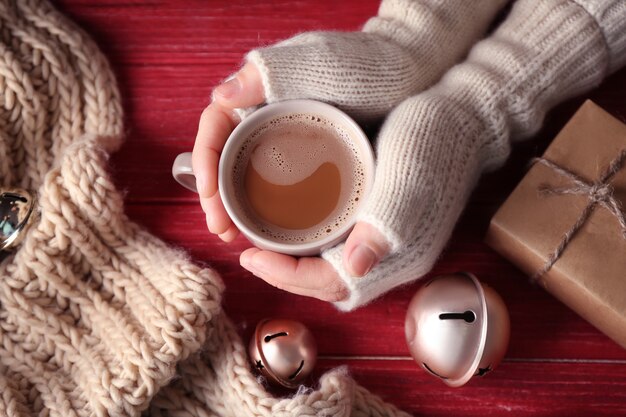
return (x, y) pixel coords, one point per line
(564, 226)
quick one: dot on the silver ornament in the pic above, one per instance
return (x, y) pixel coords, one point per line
(284, 351)
(457, 328)
(16, 215)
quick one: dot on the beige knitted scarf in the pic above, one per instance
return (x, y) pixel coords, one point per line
(97, 316)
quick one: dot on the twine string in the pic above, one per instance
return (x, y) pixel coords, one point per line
(599, 192)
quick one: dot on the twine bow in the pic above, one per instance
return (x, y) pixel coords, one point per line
(599, 192)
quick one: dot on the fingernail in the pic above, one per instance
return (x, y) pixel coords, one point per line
(228, 89)
(208, 222)
(253, 264)
(235, 116)
(229, 235)
(213, 227)
(244, 260)
(200, 185)
(361, 260)
(258, 265)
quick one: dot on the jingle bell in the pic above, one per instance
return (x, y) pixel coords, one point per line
(16, 214)
(284, 351)
(457, 328)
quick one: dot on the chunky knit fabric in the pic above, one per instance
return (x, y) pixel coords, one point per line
(403, 50)
(434, 146)
(96, 314)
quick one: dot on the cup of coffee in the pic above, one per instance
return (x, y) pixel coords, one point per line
(292, 176)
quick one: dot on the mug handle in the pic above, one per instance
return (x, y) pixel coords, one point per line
(182, 171)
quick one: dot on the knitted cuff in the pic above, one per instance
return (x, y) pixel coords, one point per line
(394, 271)
(367, 73)
(609, 15)
(362, 74)
(423, 27)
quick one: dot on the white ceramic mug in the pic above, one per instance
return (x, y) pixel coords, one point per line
(183, 172)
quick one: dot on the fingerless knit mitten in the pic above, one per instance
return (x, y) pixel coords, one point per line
(434, 146)
(403, 50)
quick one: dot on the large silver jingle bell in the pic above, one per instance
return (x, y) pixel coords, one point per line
(457, 328)
(284, 351)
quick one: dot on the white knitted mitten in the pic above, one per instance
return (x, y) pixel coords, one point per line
(434, 146)
(403, 50)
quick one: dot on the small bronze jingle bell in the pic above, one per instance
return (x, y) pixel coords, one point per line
(457, 328)
(284, 351)
(16, 214)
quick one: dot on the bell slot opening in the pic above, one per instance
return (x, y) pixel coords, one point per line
(433, 372)
(295, 374)
(468, 316)
(14, 196)
(274, 336)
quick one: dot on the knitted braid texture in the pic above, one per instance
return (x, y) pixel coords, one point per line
(96, 314)
(403, 50)
(218, 382)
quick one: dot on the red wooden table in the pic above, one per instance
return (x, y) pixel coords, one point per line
(169, 54)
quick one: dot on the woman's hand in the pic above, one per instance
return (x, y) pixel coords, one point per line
(216, 123)
(422, 179)
(309, 276)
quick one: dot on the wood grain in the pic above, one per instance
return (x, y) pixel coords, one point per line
(561, 389)
(169, 54)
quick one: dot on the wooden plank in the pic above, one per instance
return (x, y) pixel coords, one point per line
(519, 389)
(168, 55)
(200, 32)
(541, 326)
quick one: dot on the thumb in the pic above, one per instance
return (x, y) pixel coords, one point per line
(364, 248)
(243, 89)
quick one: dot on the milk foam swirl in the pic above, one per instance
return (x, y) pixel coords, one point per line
(289, 149)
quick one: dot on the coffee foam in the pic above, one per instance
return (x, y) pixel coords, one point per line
(287, 150)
